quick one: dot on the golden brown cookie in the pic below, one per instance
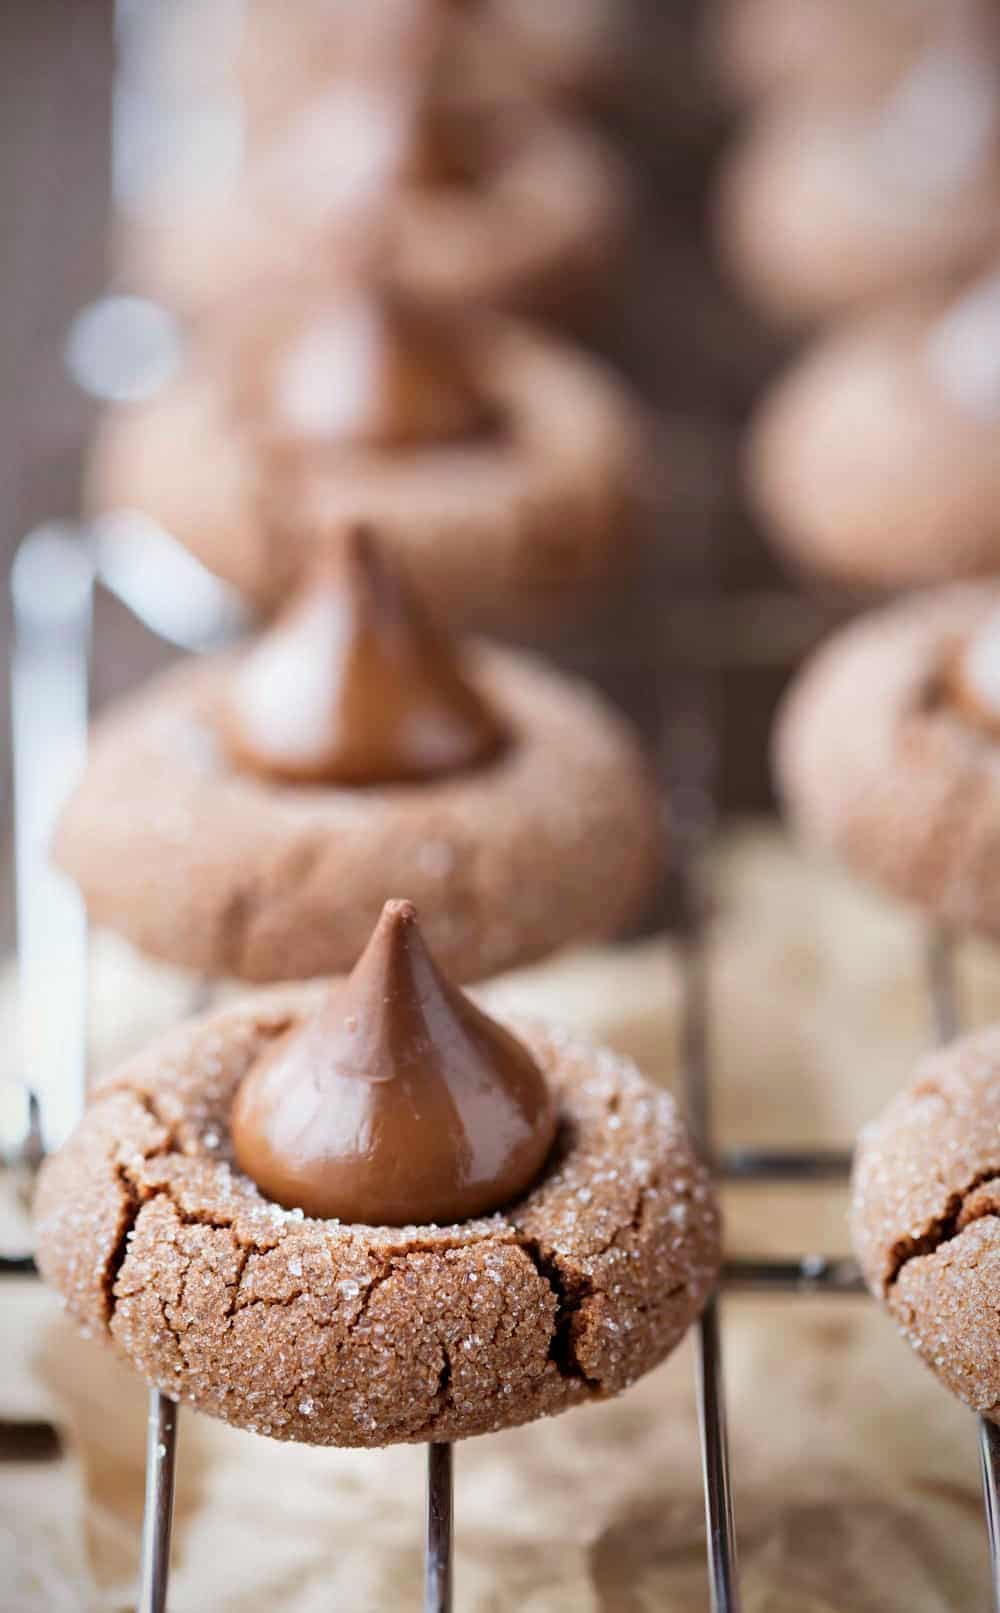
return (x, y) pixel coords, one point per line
(807, 48)
(220, 869)
(825, 207)
(926, 1215)
(502, 48)
(510, 519)
(883, 759)
(355, 1335)
(535, 226)
(876, 458)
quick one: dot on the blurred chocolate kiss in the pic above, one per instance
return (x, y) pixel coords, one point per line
(368, 368)
(353, 685)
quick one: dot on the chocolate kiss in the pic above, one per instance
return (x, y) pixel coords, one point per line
(443, 136)
(352, 685)
(372, 370)
(399, 1103)
(972, 677)
(445, 145)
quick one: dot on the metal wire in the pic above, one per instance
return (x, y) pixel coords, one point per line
(157, 1520)
(989, 1450)
(722, 1564)
(723, 1571)
(438, 1555)
(18, 1266)
(807, 1274)
(785, 1165)
(942, 986)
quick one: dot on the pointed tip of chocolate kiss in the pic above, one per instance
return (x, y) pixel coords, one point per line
(399, 1102)
(353, 685)
(372, 370)
(398, 911)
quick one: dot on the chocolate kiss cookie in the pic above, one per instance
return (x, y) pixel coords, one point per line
(887, 750)
(761, 48)
(249, 814)
(926, 1215)
(503, 49)
(501, 467)
(824, 208)
(598, 1250)
(876, 459)
(535, 226)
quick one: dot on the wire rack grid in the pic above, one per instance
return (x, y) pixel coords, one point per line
(56, 664)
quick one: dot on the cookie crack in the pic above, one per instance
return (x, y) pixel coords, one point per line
(442, 1401)
(136, 1198)
(444, 1381)
(244, 1251)
(571, 1293)
(376, 1283)
(132, 1203)
(952, 1221)
(148, 1102)
(175, 1333)
(200, 1218)
(635, 1226)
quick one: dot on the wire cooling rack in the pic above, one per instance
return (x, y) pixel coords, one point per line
(54, 582)
(808, 1274)
(690, 737)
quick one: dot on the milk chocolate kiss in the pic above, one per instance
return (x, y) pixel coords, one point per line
(446, 145)
(444, 133)
(352, 685)
(372, 370)
(399, 1102)
(972, 677)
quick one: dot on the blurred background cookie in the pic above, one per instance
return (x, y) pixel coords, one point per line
(886, 752)
(506, 471)
(826, 204)
(250, 813)
(875, 459)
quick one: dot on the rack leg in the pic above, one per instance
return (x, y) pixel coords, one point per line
(941, 981)
(161, 1443)
(715, 1460)
(438, 1566)
(989, 1449)
(722, 1566)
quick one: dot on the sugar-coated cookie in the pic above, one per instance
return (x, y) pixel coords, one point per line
(887, 746)
(515, 495)
(876, 458)
(250, 813)
(926, 1215)
(333, 1332)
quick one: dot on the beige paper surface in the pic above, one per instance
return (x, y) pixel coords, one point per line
(856, 1476)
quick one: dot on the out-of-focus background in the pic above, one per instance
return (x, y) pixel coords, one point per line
(677, 328)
